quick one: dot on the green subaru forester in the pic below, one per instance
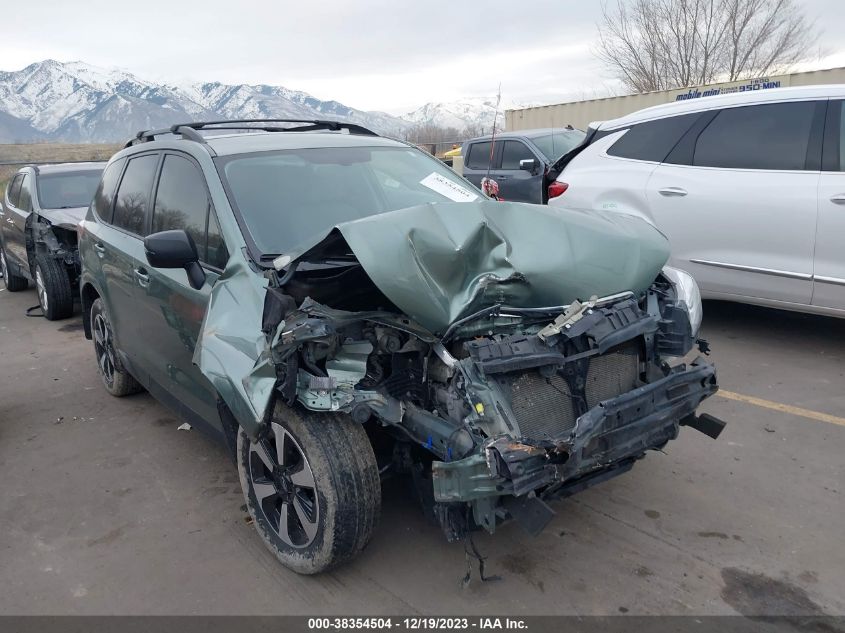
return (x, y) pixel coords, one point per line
(340, 307)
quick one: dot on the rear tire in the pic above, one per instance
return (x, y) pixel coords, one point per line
(53, 285)
(117, 381)
(13, 282)
(327, 484)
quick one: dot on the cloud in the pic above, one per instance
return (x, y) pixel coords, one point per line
(372, 54)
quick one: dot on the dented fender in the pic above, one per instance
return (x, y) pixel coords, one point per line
(231, 350)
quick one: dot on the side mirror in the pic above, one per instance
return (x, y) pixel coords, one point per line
(175, 249)
(529, 164)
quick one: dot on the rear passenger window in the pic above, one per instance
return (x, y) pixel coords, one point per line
(652, 140)
(15, 190)
(182, 203)
(25, 197)
(837, 109)
(513, 152)
(479, 156)
(833, 156)
(104, 196)
(133, 195)
(770, 136)
(841, 107)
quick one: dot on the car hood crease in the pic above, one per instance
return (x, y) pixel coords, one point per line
(440, 262)
(66, 218)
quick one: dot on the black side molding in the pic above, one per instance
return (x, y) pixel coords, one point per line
(709, 425)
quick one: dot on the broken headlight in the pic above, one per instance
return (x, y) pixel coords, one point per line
(688, 292)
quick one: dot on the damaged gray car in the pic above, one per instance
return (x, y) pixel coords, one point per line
(41, 209)
(340, 307)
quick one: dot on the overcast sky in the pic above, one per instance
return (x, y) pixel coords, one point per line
(371, 54)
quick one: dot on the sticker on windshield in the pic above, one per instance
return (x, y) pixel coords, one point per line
(448, 188)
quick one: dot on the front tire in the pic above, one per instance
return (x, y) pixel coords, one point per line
(13, 282)
(55, 295)
(311, 485)
(117, 381)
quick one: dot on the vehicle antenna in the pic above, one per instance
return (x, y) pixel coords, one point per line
(493, 137)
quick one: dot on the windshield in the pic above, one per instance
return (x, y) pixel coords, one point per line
(556, 144)
(68, 190)
(288, 196)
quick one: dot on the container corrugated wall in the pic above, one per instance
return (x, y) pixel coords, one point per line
(580, 114)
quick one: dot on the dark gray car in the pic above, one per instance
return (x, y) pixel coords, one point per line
(520, 160)
(41, 209)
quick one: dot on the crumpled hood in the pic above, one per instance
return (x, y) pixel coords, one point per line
(440, 262)
(67, 218)
(436, 263)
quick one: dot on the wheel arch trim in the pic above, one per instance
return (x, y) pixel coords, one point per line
(86, 288)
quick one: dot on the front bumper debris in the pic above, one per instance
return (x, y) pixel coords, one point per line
(606, 440)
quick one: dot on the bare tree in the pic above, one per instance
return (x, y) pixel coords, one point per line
(432, 133)
(764, 35)
(662, 44)
(477, 129)
(436, 139)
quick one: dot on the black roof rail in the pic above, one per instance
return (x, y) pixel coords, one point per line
(190, 131)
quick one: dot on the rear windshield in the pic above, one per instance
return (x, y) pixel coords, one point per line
(288, 196)
(556, 144)
(68, 190)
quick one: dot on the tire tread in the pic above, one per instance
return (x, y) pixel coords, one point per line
(124, 383)
(339, 452)
(57, 287)
(13, 282)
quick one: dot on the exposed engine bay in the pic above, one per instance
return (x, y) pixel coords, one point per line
(517, 406)
(57, 240)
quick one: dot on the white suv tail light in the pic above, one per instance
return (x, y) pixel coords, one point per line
(557, 188)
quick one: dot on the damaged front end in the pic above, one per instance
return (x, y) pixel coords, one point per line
(497, 398)
(514, 419)
(53, 234)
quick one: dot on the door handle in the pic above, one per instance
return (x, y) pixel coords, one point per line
(838, 199)
(500, 177)
(143, 277)
(101, 250)
(672, 192)
(10, 220)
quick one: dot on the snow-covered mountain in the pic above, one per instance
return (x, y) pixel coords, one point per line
(78, 102)
(12, 128)
(476, 113)
(262, 101)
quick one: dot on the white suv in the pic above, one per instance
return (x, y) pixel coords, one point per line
(749, 188)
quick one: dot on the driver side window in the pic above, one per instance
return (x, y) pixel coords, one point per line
(15, 190)
(513, 152)
(25, 198)
(182, 202)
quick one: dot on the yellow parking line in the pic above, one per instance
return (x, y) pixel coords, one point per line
(784, 408)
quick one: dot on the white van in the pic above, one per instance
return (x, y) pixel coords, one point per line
(749, 188)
